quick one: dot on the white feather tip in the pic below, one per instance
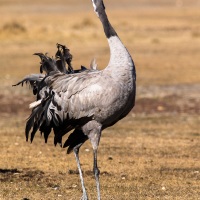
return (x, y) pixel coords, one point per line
(35, 104)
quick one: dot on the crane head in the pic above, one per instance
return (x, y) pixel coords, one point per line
(98, 6)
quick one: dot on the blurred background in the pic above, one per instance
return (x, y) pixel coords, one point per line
(163, 37)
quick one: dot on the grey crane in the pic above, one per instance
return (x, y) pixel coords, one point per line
(86, 102)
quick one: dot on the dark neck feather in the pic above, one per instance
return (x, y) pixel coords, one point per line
(108, 29)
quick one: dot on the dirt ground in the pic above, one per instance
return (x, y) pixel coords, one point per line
(153, 153)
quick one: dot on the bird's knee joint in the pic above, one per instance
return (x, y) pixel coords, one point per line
(76, 150)
(96, 171)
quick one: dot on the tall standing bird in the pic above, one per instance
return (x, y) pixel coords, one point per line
(86, 102)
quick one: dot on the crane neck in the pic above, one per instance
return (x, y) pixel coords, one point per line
(119, 56)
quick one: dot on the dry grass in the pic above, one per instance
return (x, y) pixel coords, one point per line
(151, 157)
(151, 154)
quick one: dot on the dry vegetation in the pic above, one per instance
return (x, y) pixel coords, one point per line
(151, 154)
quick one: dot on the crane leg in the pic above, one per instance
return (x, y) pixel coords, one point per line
(94, 137)
(76, 152)
(96, 174)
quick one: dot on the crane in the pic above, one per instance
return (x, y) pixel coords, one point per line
(84, 102)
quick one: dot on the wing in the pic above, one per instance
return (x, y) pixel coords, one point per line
(76, 93)
(59, 105)
(66, 102)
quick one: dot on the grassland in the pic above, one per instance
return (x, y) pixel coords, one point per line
(151, 154)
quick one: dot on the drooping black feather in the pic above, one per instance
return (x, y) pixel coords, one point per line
(47, 64)
(77, 137)
(35, 128)
(33, 80)
(44, 119)
(64, 53)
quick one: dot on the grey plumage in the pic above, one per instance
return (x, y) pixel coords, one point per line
(86, 102)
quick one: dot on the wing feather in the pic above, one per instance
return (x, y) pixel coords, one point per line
(79, 95)
(67, 102)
